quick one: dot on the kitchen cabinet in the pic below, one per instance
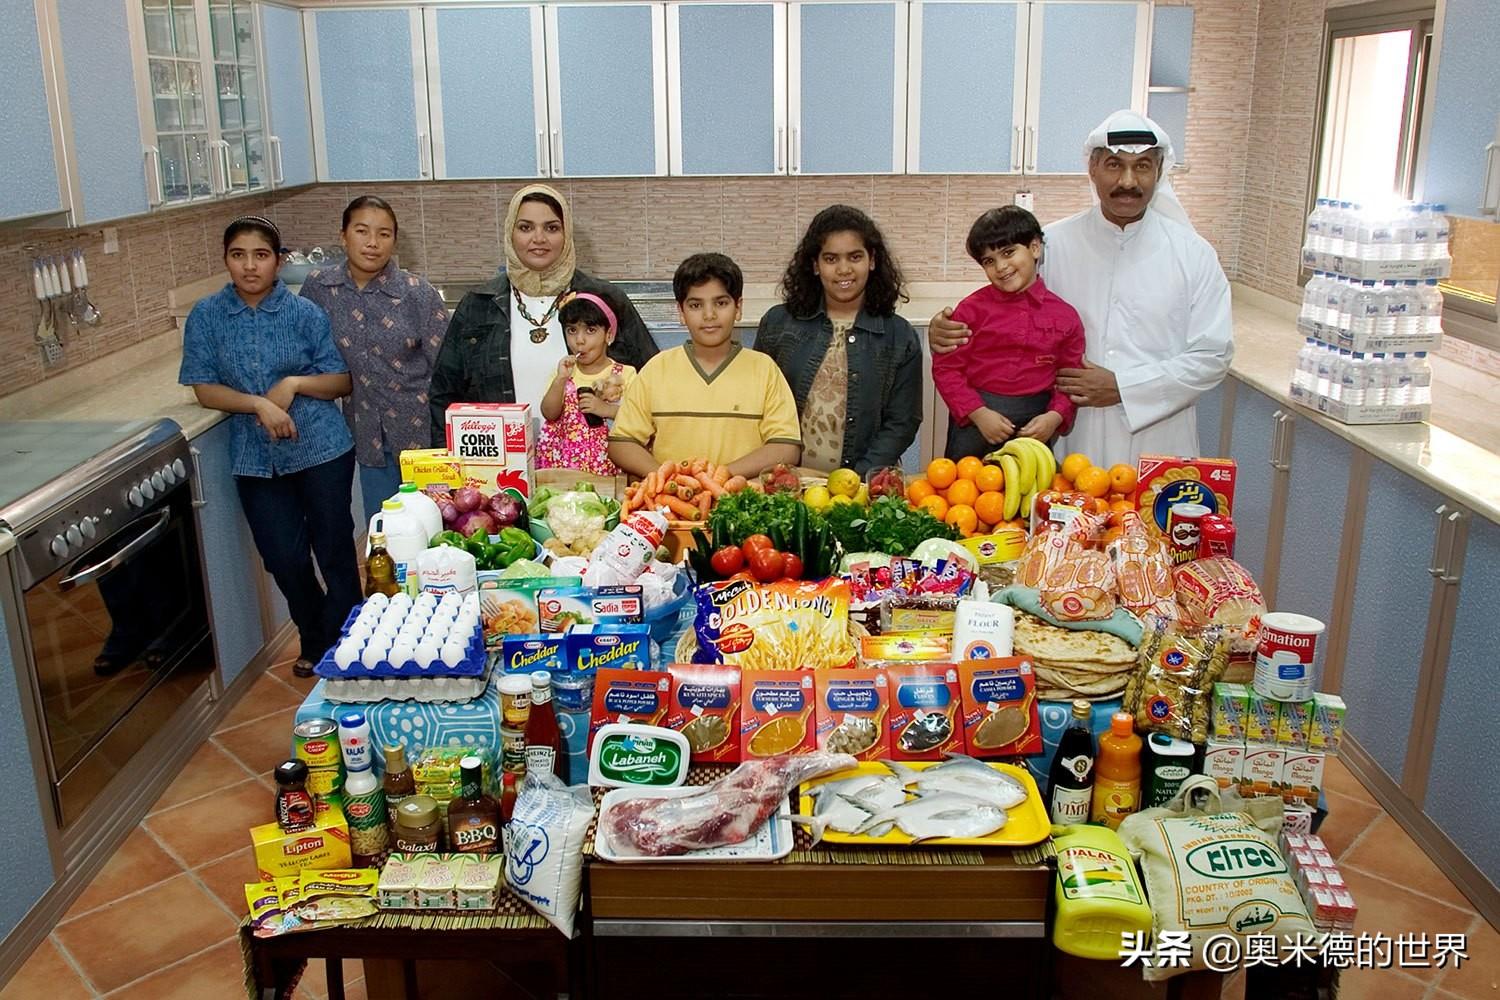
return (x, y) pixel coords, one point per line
(728, 114)
(1461, 150)
(287, 104)
(1253, 435)
(1170, 73)
(606, 89)
(1211, 420)
(836, 50)
(28, 158)
(1307, 570)
(966, 96)
(230, 561)
(368, 83)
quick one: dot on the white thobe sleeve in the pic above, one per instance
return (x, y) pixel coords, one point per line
(1154, 390)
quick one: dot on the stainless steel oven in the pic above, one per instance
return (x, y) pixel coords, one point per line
(114, 609)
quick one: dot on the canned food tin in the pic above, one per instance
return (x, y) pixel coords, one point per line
(1184, 531)
(325, 782)
(1284, 655)
(1216, 536)
(513, 750)
(317, 743)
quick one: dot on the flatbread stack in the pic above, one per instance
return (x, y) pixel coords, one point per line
(1074, 663)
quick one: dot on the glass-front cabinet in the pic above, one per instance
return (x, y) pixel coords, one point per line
(202, 81)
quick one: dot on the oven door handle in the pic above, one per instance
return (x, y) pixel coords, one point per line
(139, 542)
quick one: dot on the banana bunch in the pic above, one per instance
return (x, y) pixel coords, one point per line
(1029, 466)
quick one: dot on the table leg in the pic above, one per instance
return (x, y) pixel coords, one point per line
(334, 973)
(409, 978)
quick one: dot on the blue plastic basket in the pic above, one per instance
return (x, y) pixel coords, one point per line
(663, 620)
(472, 665)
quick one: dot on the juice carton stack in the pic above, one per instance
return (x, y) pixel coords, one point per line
(1322, 886)
(1269, 747)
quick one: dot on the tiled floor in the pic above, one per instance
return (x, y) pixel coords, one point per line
(158, 921)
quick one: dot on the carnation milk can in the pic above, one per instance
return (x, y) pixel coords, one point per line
(1284, 656)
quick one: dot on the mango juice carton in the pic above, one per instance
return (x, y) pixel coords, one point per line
(1263, 771)
(622, 695)
(777, 717)
(591, 647)
(1327, 730)
(1262, 717)
(851, 710)
(1302, 777)
(525, 653)
(279, 854)
(998, 698)
(705, 709)
(1231, 703)
(924, 716)
(1294, 728)
(1165, 480)
(434, 470)
(1224, 761)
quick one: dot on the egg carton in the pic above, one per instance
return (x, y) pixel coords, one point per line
(425, 689)
(471, 665)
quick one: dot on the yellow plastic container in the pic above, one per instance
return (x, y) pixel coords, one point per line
(1098, 893)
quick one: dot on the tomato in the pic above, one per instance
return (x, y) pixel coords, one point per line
(757, 542)
(728, 561)
(791, 568)
(767, 564)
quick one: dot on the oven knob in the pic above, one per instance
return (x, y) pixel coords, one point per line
(147, 490)
(134, 497)
(59, 546)
(179, 469)
(158, 481)
(168, 475)
(87, 527)
(74, 535)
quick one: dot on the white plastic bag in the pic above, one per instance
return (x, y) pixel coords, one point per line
(446, 569)
(544, 847)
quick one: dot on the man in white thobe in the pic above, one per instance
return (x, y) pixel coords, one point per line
(1153, 299)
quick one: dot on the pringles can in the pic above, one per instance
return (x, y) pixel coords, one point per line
(1216, 536)
(1185, 531)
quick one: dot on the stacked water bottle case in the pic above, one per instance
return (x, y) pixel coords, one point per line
(1372, 311)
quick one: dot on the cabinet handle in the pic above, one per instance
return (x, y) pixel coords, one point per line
(796, 150)
(199, 500)
(223, 148)
(1437, 569)
(1276, 427)
(1031, 157)
(1486, 207)
(153, 177)
(1447, 575)
(541, 136)
(1017, 151)
(780, 148)
(557, 167)
(277, 177)
(424, 155)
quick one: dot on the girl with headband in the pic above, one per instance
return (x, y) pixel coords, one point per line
(586, 391)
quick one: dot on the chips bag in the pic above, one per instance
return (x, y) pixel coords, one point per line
(790, 625)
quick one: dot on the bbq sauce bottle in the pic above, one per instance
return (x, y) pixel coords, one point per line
(473, 817)
(1070, 783)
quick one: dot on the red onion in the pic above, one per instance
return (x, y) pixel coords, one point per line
(470, 521)
(467, 498)
(505, 508)
(449, 512)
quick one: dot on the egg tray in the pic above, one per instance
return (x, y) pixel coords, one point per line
(472, 665)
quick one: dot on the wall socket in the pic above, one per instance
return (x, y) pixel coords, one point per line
(1024, 200)
(111, 239)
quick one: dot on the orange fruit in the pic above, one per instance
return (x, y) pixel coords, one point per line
(1060, 482)
(962, 517)
(1117, 509)
(918, 490)
(941, 473)
(1122, 478)
(1074, 465)
(984, 528)
(1094, 481)
(990, 507)
(936, 506)
(963, 492)
(990, 478)
(968, 468)
(1100, 505)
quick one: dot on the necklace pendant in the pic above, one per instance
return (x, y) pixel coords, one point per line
(539, 334)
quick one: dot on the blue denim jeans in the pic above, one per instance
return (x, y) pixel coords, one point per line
(377, 485)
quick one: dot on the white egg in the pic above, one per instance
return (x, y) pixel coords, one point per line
(387, 629)
(369, 613)
(438, 632)
(377, 601)
(361, 629)
(392, 614)
(401, 651)
(411, 629)
(427, 652)
(451, 600)
(400, 600)
(471, 601)
(346, 653)
(373, 654)
(426, 599)
(453, 653)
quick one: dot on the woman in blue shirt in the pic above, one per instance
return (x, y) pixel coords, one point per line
(266, 357)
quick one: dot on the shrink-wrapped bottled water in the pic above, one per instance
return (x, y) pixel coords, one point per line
(1421, 379)
(1431, 308)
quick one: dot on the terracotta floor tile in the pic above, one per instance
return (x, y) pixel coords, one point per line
(262, 744)
(283, 672)
(139, 862)
(136, 936)
(1338, 777)
(226, 878)
(268, 694)
(208, 770)
(218, 972)
(1347, 819)
(1379, 984)
(1388, 851)
(1389, 909)
(207, 829)
(1479, 974)
(46, 975)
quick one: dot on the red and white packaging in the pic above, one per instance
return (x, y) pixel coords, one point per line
(1347, 911)
(495, 443)
(1284, 656)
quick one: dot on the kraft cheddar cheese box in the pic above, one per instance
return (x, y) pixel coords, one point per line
(629, 696)
(924, 715)
(1327, 730)
(324, 846)
(705, 709)
(1262, 772)
(777, 716)
(851, 710)
(591, 647)
(999, 707)
(525, 653)
(1224, 761)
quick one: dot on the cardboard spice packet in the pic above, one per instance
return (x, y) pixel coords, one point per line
(623, 695)
(777, 714)
(851, 711)
(925, 702)
(705, 709)
(1000, 713)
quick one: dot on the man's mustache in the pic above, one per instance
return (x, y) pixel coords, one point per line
(1130, 192)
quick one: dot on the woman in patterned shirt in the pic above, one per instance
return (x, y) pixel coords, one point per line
(854, 366)
(388, 324)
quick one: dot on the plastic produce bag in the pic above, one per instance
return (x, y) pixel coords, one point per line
(544, 847)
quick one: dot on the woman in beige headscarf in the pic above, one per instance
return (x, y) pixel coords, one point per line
(504, 341)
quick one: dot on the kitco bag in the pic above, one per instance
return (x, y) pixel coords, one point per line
(544, 847)
(1212, 867)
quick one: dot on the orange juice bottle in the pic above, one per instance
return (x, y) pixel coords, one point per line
(1117, 772)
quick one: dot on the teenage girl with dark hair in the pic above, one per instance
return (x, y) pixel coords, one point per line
(265, 356)
(388, 324)
(854, 366)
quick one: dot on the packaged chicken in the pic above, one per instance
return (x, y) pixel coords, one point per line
(1143, 569)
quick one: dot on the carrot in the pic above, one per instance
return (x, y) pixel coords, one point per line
(696, 466)
(721, 474)
(705, 500)
(735, 484)
(683, 509)
(691, 482)
(710, 484)
(667, 471)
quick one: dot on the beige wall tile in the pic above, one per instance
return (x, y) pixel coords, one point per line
(911, 212)
(760, 225)
(609, 227)
(686, 217)
(461, 226)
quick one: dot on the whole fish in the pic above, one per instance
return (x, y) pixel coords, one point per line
(845, 804)
(966, 776)
(942, 814)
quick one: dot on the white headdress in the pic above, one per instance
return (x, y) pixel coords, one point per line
(1131, 132)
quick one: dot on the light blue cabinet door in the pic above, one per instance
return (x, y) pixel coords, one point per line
(27, 160)
(966, 116)
(106, 123)
(1087, 70)
(1314, 521)
(1466, 733)
(845, 112)
(1210, 419)
(727, 105)
(364, 70)
(1171, 62)
(1464, 107)
(286, 84)
(23, 851)
(484, 64)
(1388, 624)
(229, 557)
(1250, 438)
(604, 105)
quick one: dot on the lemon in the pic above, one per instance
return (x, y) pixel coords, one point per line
(863, 496)
(817, 497)
(841, 499)
(843, 482)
